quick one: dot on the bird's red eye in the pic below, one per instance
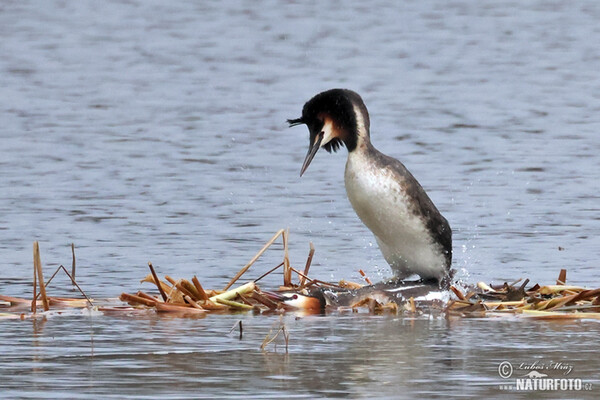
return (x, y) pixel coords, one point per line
(294, 297)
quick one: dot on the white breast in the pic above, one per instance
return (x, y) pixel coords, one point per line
(383, 206)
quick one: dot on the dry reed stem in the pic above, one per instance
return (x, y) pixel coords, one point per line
(164, 307)
(286, 288)
(311, 253)
(170, 280)
(76, 285)
(584, 295)
(268, 272)
(192, 289)
(560, 315)
(192, 302)
(199, 288)
(286, 336)
(553, 289)
(37, 261)
(61, 267)
(313, 282)
(365, 277)
(157, 282)
(67, 302)
(301, 275)
(73, 264)
(264, 300)
(146, 296)
(320, 282)
(14, 300)
(287, 272)
(239, 323)
(253, 260)
(246, 299)
(268, 340)
(34, 301)
(175, 295)
(150, 279)
(514, 283)
(458, 293)
(182, 289)
(562, 277)
(131, 298)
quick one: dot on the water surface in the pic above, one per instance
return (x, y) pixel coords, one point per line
(142, 132)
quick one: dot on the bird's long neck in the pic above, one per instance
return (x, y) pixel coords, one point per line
(360, 137)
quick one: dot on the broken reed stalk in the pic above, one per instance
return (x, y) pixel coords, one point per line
(131, 298)
(164, 307)
(73, 263)
(247, 266)
(72, 281)
(34, 301)
(179, 285)
(319, 282)
(199, 288)
(311, 252)
(287, 272)
(191, 288)
(515, 282)
(239, 323)
(268, 340)
(52, 277)
(267, 273)
(562, 277)
(173, 292)
(365, 277)
(150, 279)
(209, 305)
(157, 282)
(145, 295)
(192, 302)
(37, 263)
(264, 300)
(302, 276)
(458, 293)
(245, 299)
(286, 337)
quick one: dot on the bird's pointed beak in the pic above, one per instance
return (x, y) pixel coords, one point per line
(273, 295)
(312, 150)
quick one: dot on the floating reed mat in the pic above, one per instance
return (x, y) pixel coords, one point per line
(555, 301)
(300, 292)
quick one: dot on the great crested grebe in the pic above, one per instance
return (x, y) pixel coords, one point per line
(413, 236)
